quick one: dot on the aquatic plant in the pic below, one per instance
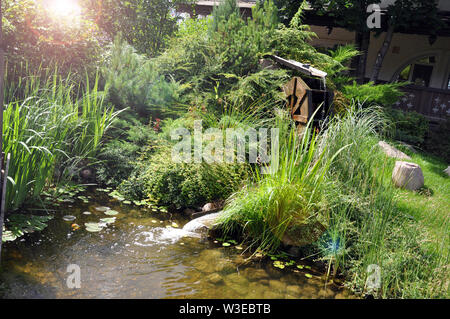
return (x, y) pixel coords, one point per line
(50, 131)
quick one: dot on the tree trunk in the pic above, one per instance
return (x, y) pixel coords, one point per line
(361, 71)
(382, 54)
(355, 61)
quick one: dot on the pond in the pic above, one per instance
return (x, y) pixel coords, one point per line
(143, 254)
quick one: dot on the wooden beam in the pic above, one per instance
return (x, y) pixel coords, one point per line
(298, 66)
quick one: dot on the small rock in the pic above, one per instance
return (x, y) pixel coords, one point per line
(407, 175)
(214, 278)
(235, 279)
(256, 274)
(392, 151)
(208, 207)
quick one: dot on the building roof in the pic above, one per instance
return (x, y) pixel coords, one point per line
(241, 3)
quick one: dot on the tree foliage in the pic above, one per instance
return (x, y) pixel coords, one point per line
(145, 24)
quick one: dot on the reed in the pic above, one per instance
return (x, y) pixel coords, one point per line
(50, 125)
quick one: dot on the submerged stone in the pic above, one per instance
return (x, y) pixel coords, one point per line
(214, 278)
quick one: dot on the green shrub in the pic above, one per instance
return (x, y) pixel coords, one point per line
(380, 94)
(223, 61)
(128, 140)
(410, 127)
(135, 83)
(182, 185)
(437, 141)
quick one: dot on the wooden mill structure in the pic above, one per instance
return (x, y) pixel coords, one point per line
(306, 94)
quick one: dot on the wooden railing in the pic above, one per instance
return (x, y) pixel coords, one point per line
(433, 103)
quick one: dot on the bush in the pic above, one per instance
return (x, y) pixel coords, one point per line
(380, 94)
(128, 139)
(182, 185)
(410, 127)
(135, 83)
(437, 141)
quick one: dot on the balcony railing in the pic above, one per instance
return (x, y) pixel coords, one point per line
(433, 103)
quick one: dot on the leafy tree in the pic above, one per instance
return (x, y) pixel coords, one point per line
(38, 38)
(401, 16)
(145, 24)
(351, 15)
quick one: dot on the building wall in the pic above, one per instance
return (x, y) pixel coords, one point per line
(405, 49)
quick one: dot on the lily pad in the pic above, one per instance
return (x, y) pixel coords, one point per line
(102, 209)
(308, 276)
(108, 220)
(69, 218)
(87, 213)
(8, 236)
(127, 202)
(226, 244)
(111, 212)
(278, 264)
(94, 227)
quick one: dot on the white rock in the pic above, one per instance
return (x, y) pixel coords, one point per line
(202, 224)
(392, 151)
(407, 175)
(208, 207)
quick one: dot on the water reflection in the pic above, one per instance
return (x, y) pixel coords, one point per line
(141, 256)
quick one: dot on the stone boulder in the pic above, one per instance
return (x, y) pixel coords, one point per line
(392, 151)
(407, 175)
(202, 225)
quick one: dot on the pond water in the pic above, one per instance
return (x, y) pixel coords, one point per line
(141, 255)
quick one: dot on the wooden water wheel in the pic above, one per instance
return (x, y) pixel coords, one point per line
(298, 100)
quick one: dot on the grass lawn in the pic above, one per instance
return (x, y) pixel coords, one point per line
(430, 205)
(429, 210)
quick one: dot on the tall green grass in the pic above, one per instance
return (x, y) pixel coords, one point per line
(342, 180)
(49, 126)
(285, 198)
(366, 226)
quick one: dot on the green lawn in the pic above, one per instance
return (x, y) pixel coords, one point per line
(430, 205)
(429, 210)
